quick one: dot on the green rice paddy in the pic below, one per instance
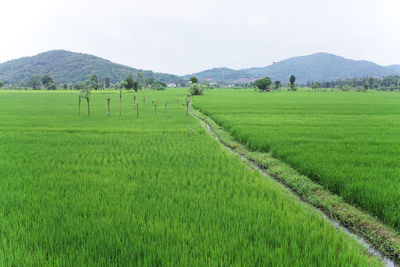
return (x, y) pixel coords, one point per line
(155, 190)
(348, 142)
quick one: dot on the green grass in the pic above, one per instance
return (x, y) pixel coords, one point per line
(79, 191)
(348, 142)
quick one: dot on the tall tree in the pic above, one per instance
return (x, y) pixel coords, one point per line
(48, 82)
(107, 82)
(277, 84)
(34, 82)
(94, 81)
(366, 85)
(193, 79)
(129, 82)
(148, 81)
(291, 82)
(371, 82)
(292, 79)
(135, 86)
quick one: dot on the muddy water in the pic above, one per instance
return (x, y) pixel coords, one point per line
(371, 249)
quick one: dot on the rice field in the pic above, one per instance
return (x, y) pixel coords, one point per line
(348, 142)
(148, 190)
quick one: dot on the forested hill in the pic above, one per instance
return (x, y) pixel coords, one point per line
(70, 67)
(395, 68)
(223, 75)
(321, 67)
(316, 67)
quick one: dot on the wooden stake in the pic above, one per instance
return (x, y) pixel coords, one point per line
(108, 102)
(137, 110)
(79, 104)
(88, 105)
(120, 103)
(155, 110)
(166, 108)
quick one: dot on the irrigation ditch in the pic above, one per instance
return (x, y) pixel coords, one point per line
(379, 239)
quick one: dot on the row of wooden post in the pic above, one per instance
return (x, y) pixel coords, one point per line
(135, 105)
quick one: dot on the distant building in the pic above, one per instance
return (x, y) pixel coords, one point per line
(171, 85)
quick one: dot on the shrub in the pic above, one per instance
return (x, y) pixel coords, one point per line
(159, 86)
(263, 84)
(195, 89)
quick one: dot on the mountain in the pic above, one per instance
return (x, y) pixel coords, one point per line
(321, 67)
(70, 67)
(395, 68)
(316, 67)
(222, 75)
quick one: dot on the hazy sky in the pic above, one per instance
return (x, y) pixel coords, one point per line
(186, 36)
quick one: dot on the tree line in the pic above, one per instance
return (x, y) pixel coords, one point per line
(93, 82)
(391, 82)
(46, 81)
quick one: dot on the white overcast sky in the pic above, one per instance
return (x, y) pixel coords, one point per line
(186, 36)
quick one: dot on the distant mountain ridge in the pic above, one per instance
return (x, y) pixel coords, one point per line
(70, 67)
(395, 68)
(224, 74)
(315, 67)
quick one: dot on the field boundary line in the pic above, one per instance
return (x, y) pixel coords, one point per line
(384, 239)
